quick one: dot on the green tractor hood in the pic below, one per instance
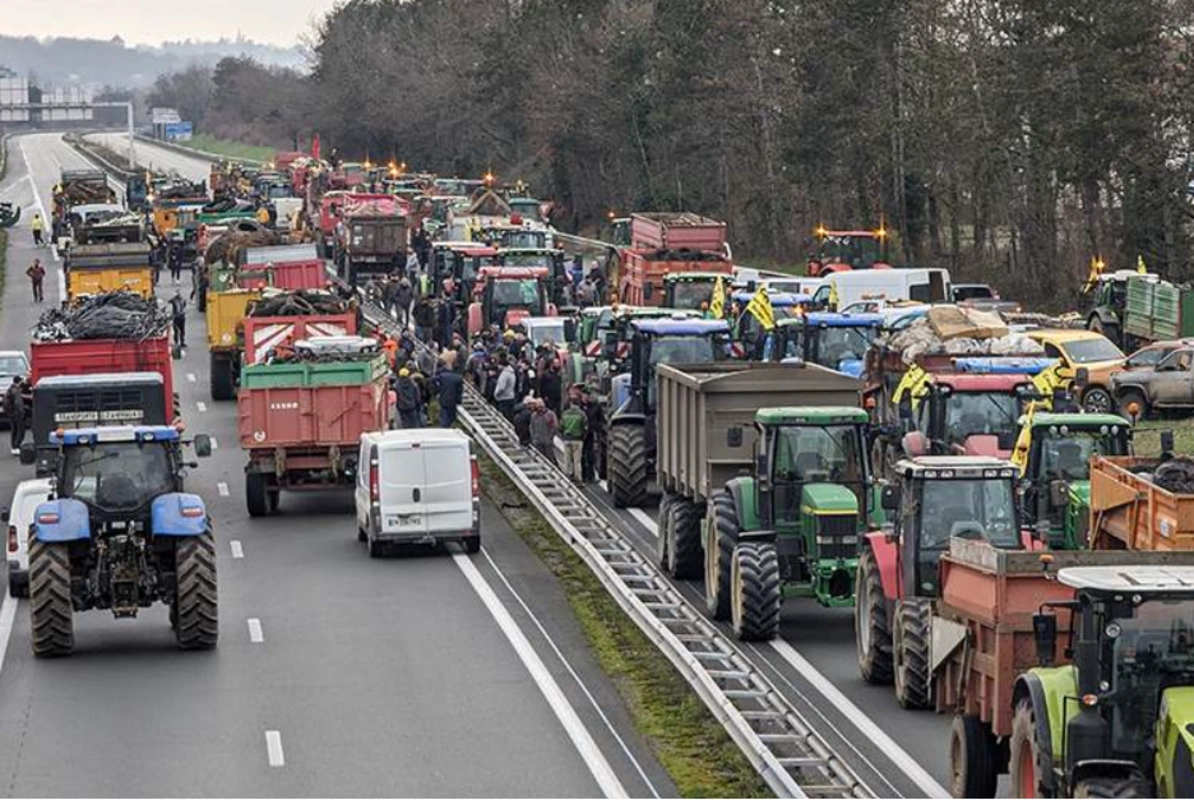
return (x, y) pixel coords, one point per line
(1077, 516)
(828, 498)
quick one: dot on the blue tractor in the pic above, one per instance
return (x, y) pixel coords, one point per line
(120, 533)
(630, 437)
(829, 339)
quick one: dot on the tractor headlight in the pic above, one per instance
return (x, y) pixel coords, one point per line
(1112, 630)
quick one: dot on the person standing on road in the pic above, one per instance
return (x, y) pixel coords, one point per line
(573, 430)
(14, 407)
(543, 430)
(403, 296)
(39, 228)
(408, 400)
(451, 395)
(37, 277)
(593, 423)
(178, 306)
(175, 259)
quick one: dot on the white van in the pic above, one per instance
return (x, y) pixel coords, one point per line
(418, 486)
(19, 519)
(930, 285)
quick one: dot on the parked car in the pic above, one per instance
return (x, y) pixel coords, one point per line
(1093, 354)
(1168, 384)
(19, 518)
(982, 296)
(418, 487)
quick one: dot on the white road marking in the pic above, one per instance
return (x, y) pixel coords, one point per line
(202, 406)
(865, 725)
(214, 444)
(256, 636)
(273, 747)
(602, 772)
(237, 550)
(645, 520)
(222, 488)
(45, 220)
(8, 612)
(191, 377)
(604, 485)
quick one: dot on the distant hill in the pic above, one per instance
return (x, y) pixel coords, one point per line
(112, 63)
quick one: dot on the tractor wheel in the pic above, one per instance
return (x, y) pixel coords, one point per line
(872, 628)
(913, 634)
(628, 465)
(1132, 786)
(1131, 398)
(685, 561)
(755, 591)
(222, 387)
(661, 524)
(1024, 756)
(51, 609)
(973, 758)
(1097, 400)
(256, 494)
(721, 530)
(196, 599)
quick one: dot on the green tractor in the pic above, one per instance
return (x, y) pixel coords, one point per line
(1119, 720)
(792, 528)
(1053, 452)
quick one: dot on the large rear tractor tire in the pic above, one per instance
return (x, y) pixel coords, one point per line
(51, 609)
(1025, 758)
(256, 494)
(755, 591)
(628, 465)
(1132, 786)
(685, 560)
(721, 532)
(913, 634)
(222, 384)
(196, 600)
(973, 757)
(872, 628)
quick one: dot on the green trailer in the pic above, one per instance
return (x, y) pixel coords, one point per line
(1157, 310)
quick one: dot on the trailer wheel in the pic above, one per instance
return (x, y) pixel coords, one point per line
(1131, 786)
(256, 494)
(872, 628)
(628, 465)
(685, 560)
(222, 384)
(196, 599)
(973, 757)
(661, 541)
(274, 498)
(721, 538)
(755, 591)
(1024, 761)
(913, 632)
(51, 609)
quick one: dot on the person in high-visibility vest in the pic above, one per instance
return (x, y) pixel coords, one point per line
(39, 228)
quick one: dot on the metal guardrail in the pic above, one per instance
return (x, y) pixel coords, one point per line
(792, 758)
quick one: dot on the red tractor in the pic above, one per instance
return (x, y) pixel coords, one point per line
(505, 295)
(843, 251)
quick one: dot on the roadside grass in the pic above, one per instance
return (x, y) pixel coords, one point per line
(234, 150)
(690, 744)
(1148, 436)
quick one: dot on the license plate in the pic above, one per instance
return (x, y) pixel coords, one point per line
(408, 521)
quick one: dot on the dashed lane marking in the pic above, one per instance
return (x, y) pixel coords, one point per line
(273, 748)
(237, 550)
(191, 377)
(202, 406)
(222, 488)
(645, 520)
(256, 635)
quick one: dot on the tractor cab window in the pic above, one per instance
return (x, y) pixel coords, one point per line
(117, 476)
(836, 344)
(974, 509)
(791, 339)
(527, 260)
(815, 454)
(683, 350)
(1153, 649)
(1066, 457)
(979, 414)
(857, 251)
(518, 294)
(689, 295)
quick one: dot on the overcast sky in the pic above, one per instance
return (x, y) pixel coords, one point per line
(153, 21)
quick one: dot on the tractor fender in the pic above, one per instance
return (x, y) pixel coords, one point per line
(62, 520)
(179, 514)
(1047, 688)
(620, 392)
(886, 554)
(1175, 743)
(627, 418)
(746, 503)
(475, 323)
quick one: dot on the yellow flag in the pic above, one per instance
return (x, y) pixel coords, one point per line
(1024, 440)
(1047, 381)
(1143, 270)
(717, 305)
(915, 384)
(833, 295)
(760, 308)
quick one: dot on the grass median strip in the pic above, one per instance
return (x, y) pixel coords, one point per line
(690, 744)
(222, 147)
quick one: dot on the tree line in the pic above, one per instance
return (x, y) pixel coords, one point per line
(1011, 140)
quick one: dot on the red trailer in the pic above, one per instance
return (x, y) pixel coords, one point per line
(295, 275)
(676, 231)
(99, 356)
(263, 334)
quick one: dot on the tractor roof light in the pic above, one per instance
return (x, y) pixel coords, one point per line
(881, 233)
(821, 231)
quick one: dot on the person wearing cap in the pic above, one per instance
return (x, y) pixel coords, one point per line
(544, 425)
(409, 399)
(505, 387)
(450, 386)
(522, 420)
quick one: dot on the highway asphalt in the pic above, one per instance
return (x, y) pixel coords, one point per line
(336, 675)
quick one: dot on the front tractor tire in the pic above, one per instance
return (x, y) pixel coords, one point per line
(913, 634)
(196, 599)
(722, 531)
(51, 610)
(872, 628)
(628, 465)
(755, 592)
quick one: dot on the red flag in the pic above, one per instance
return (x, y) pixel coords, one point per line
(315, 147)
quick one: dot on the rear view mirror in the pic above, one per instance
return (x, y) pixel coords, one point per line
(1044, 632)
(570, 331)
(202, 445)
(889, 497)
(4, 515)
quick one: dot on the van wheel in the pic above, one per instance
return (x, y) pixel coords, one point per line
(361, 535)
(376, 550)
(472, 545)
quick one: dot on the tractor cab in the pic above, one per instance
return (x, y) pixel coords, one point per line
(688, 291)
(663, 341)
(750, 332)
(1053, 453)
(836, 341)
(506, 295)
(460, 262)
(842, 251)
(540, 257)
(1122, 711)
